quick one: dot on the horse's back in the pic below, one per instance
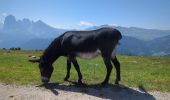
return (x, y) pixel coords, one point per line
(87, 41)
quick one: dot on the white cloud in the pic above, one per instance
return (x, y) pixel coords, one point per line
(4, 14)
(2, 17)
(85, 23)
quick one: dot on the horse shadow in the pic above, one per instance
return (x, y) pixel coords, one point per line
(111, 91)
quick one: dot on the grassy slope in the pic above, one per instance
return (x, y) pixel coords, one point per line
(151, 73)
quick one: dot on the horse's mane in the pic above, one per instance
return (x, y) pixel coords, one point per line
(50, 52)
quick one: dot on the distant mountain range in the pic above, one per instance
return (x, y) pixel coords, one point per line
(1, 26)
(16, 32)
(143, 42)
(160, 46)
(139, 33)
(35, 35)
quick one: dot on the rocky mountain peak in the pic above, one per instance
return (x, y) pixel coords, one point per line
(10, 22)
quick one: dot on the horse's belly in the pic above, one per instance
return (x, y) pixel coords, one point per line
(88, 55)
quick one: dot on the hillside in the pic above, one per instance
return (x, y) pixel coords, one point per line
(156, 47)
(160, 46)
(132, 46)
(36, 44)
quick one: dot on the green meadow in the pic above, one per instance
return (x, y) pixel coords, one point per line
(152, 73)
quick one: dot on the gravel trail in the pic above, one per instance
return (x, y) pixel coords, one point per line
(56, 91)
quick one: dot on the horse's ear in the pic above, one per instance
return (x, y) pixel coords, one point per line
(34, 60)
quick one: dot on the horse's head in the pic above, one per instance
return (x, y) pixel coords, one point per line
(46, 69)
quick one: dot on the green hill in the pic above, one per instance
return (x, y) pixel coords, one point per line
(160, 46)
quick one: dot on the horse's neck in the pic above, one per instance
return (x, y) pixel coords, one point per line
(49, 59)
(52, 52)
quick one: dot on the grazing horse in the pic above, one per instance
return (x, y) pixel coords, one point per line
(84, 44)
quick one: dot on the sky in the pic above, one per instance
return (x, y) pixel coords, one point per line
(78, 14)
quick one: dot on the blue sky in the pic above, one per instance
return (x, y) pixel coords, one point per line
(83, 13)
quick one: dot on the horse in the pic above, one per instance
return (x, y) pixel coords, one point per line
(83, 44)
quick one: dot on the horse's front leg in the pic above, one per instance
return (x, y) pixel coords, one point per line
(117, 66)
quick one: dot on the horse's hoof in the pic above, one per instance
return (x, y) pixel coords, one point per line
(117, 82)
(45, 82)
(65, 79)
(80, 82)
(104, 83)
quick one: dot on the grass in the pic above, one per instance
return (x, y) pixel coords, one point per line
(152, 73)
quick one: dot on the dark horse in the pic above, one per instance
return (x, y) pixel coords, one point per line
(85, 44)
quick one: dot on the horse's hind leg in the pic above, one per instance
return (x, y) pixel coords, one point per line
(117, 66)
(74, 61)
(68, 69)
(109, 69)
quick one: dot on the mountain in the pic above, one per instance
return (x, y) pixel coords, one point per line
(36, 44)
(127, 45)
(16, 32)
(160, 46)
(43, 30)
(143, 34)
(1, 26)
(38, 28)
(10, 23)
(156, 47)
(132, 46)
(139, 33)
(12, 34)
(139, 41)
(36, 35)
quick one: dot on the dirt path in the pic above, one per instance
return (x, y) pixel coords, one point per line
(56, 91)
